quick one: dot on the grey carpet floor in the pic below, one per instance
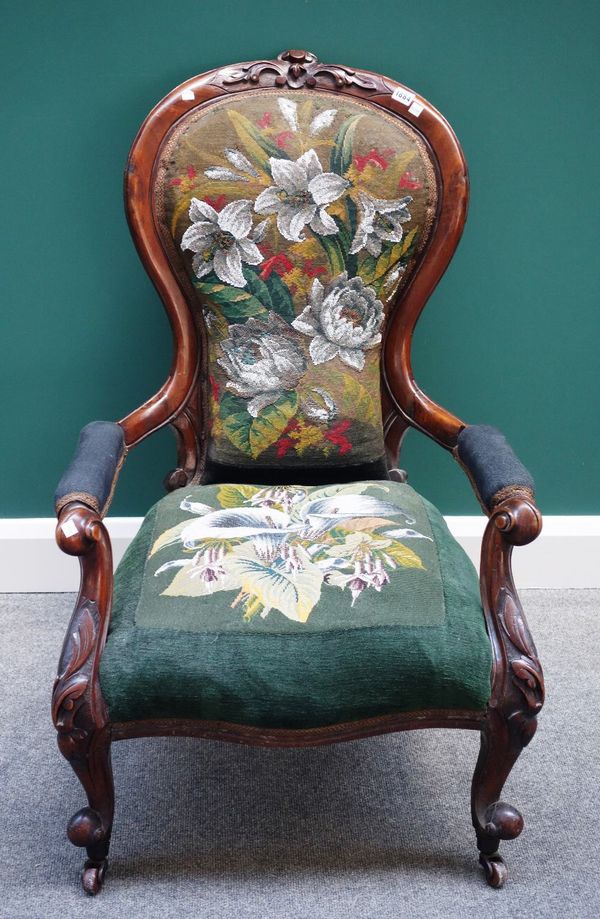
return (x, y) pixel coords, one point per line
(374, 829)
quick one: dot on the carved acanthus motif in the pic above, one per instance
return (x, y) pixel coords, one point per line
(74, 675)
(297, 69)
(525, 668)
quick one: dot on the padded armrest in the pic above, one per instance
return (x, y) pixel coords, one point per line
(92, 473)
(492, 465)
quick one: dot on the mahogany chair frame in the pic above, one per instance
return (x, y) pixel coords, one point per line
(85, 732)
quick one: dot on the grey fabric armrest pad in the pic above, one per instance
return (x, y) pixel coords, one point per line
(491, 461)
(92, 470)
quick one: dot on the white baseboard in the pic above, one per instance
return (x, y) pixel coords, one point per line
(567, 553)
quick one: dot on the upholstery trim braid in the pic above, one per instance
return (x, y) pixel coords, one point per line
(511, 491)
(92, 474)
(81, 497)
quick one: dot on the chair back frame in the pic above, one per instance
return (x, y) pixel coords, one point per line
(178, 401)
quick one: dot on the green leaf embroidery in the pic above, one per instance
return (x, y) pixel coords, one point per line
(255, 435)
(258, 288)
(281, 299)
(258, 147)
(373, 271)
(341, 154)
(234, 302)
(367, 269)
(271, 423)
(236, 421)
(357, 402)
(403, 556)
(334, 254)
(235, 495)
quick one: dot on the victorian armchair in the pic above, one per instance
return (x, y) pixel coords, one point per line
(292, 588)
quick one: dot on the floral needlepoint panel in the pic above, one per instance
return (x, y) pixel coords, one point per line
(297, 216)
(291, 558)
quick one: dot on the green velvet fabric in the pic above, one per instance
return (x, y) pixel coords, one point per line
(374, 637)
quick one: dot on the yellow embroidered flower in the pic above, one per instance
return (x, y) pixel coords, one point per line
(308, 435)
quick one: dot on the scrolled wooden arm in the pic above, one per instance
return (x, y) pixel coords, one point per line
(78, 529)
(517, 518)
(78, 709)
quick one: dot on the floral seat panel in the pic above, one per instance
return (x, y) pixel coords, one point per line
(296, 216)
(294, 606)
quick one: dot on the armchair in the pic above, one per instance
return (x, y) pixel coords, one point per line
(292, 589)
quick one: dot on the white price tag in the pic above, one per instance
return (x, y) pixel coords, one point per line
(69, 528)
(403, 96)
(416, 109)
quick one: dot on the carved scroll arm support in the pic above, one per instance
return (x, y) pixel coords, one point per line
(517, 679)
(77, 705)
(78, 709)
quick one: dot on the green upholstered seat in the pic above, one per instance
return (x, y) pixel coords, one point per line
(294, 607)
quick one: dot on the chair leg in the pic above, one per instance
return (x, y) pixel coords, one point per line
(493, 819)
(517, 681)
(91, 826)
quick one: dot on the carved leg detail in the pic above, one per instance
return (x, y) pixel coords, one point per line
(91, 826)
(501, 743)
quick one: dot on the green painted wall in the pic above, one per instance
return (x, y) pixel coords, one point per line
(509, 338)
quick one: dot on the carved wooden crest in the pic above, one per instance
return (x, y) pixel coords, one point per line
(297, 69)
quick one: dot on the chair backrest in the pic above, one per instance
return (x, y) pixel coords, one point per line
(294, 218)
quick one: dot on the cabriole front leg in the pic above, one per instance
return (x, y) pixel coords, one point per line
(78, 710)
(517, 683)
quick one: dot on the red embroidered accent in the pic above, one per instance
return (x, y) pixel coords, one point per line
(279, 263)
(265, 121)
(283, 138)
(191, 173)
(285, 444)
(218, 203)
(382, 160)
(311, 270)
(214, 388)
(336, 436)
(409, 180)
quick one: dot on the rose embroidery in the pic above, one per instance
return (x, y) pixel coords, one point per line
(262, 360)
(344, 319)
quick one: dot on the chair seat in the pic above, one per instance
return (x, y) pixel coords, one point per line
(294, 607)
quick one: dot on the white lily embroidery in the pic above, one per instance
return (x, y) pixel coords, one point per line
(279, 559)
(289, 110)
(239, 161)
(321, 121)
(406, 533)
(300, 196)
(220, 240)
(381, 221)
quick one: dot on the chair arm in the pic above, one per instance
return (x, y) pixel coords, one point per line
(495, 471)
(92, 474)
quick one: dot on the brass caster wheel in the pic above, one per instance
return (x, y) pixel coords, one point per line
(495, 869)
(92, 877)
